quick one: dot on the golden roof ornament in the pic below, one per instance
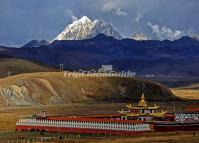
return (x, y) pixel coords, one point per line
(142, 102)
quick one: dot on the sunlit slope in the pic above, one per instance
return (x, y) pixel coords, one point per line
(189, 92)
(53, 88)
(12, 66)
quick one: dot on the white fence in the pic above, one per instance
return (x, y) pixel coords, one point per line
(85, 124)
(187, 116)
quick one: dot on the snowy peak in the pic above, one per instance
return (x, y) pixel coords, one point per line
(140, 37)
(85, 28)
(84, 19)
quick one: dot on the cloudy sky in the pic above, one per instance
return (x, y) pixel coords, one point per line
(24, 20)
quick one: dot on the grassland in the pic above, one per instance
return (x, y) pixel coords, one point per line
(13, 66)
(186, 88)
(182, 137)
(190, 92)
(186, 94)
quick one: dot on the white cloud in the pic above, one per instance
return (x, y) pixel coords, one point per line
(139, 16)
(164, 32)
(109, 5)
(120, 12)
(113, 6)
(70, 14)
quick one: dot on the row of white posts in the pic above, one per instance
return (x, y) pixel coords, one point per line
(86, 124)
(187, 116)
(79, 74)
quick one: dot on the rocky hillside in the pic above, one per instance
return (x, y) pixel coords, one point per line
(53, 88)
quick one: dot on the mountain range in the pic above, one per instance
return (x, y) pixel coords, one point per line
(171, 58)
(86, 44)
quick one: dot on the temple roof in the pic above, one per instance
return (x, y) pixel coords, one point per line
(139, 108)
(142, 105)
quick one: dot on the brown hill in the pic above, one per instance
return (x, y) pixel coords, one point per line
(53, 88)
(190, 92)
(12, 66)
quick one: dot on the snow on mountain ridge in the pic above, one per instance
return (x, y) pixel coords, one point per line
(85, 19)
(140, 37)
(85, 28)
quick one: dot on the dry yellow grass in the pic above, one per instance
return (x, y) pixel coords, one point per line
(16, 66)
(185, 137)
(179, 137)
(187, 94)
(190, 92)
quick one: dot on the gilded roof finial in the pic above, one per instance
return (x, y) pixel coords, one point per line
(142, 102)
(142, 98)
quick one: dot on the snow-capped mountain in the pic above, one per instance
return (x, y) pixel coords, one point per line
(85, 28)
(140, 37)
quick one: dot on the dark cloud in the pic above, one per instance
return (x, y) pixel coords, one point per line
(23, 20)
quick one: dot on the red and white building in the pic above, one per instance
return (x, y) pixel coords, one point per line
(191, 114)
(82, 125)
